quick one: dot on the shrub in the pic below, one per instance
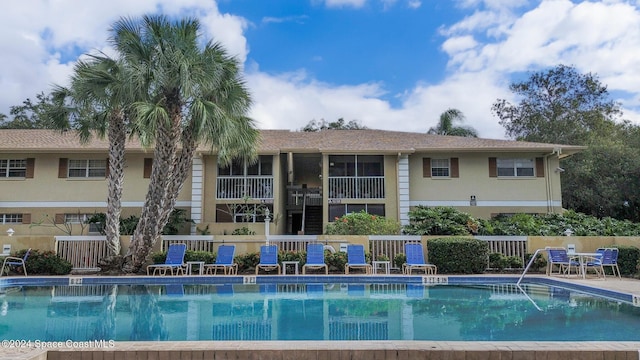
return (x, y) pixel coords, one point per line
(44, 263)
(362, 223)
(292, 256)
(336, 261)
(628, 257)
(538, 264)
(206, 256)
(247, 261)
(243, 231)
(458, 255)
(440, 220)
(498, 261)
(399, 259)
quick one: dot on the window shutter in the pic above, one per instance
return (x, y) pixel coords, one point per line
(426, 167)
(454, 167)
(26, 218)
(540, 167)
(493, 167)
(62, 168)
(30, 167)
(59, 219)
(106, 171)
(148, 165)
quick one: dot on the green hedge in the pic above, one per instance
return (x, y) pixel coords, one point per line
(44, 263)
(628, 257)
(458, 255)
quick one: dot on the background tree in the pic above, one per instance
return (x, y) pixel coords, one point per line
(315, 125)
(30, 115)
(559, 105)
(563, 106)
(446, 125)
(193, 94)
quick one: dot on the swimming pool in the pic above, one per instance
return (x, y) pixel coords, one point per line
(309, 308)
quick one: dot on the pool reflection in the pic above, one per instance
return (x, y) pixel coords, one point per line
(313, 312)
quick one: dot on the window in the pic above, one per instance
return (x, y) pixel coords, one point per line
(241, 213)
(263, 167)
(515, 167)
(13, 168)
(87, 168)
(356, 165)
(77, 218)
(440, 167)
(338, 210)
(11, 218)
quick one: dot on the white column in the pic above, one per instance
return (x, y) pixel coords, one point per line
(403, 189)
(196, 192)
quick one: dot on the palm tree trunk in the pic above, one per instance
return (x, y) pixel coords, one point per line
(182, 169)
(154, 212)
(117, 139)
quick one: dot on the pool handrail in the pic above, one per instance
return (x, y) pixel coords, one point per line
(533, 258)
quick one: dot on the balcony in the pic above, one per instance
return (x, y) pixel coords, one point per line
(349, 187)
(240, 187)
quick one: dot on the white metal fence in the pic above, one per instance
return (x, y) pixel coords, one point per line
(83, 252)
(194, 242)
(507, 245)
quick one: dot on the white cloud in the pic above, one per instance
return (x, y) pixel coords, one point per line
(345, 3)
(597, 37)
(485, 49)
(38, 48)
(414, 4)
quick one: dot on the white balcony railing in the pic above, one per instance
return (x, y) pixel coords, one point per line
(238, 187)
(348, 187)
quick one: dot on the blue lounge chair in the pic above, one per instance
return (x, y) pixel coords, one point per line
(415, 260)
(13, 263)
(558, 257)
(268, 259)
(356, 259)
(315, 259)
(174, 261)
(224, 261)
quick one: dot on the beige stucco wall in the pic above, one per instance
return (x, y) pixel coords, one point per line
(583, 243)
(51, 195)
(493, 195)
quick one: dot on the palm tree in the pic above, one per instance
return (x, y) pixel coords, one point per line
(193, 94)
(96, 103)
(445, 125)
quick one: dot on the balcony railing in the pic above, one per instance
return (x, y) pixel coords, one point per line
(239, 187)
(348, 187)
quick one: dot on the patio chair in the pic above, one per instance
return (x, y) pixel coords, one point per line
(356, 259)
(613, 263)
(174, 260)
(558, 257)
(268, 259)
(315, 259)
(608, 258)
(415, 260)
(224, 261)
(14, 263)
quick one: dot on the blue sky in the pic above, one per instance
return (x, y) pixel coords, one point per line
(390, 64)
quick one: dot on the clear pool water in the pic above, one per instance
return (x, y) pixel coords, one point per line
(499, 312)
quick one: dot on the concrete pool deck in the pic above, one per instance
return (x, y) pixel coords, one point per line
(317, 350)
